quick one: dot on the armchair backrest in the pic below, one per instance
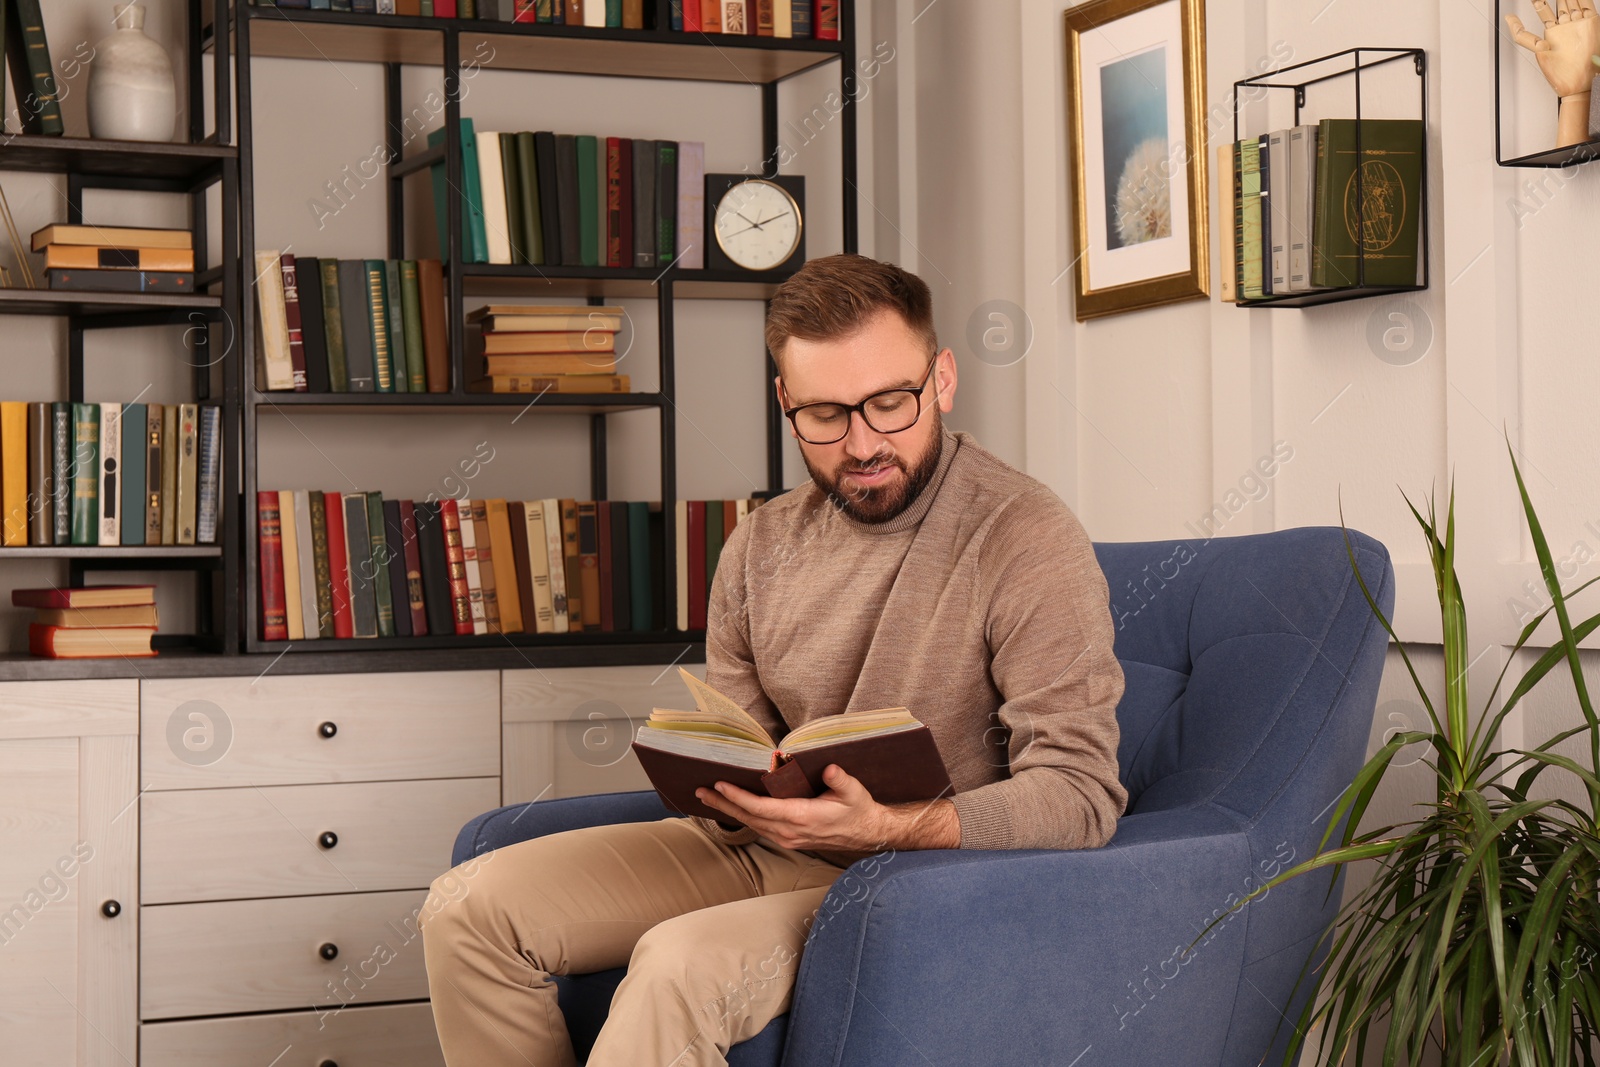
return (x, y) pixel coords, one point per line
(1252, 666)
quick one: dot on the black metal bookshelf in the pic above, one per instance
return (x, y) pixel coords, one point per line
(1311, 74)
(190, 168)
(452, 45)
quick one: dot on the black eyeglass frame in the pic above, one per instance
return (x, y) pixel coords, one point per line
(861, 408)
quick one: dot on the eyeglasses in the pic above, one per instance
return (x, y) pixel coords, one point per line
(891, 411)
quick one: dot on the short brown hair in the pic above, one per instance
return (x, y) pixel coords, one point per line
(834, 296)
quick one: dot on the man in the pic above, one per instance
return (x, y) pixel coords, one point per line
(914, 569)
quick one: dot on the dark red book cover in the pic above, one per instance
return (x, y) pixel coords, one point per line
(344, 622)
(444, 9)
(589, 564)
(730, 516)
(602, 514)
(291, 312)
(413, 557)
(697, 564)
(107, 642)
(691, 16)
(526, 11)
(613, 201)
(626, 149)
(456, 561)
(826, 19)
(269, 564)
(763, 18)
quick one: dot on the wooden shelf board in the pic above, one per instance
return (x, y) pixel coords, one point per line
(402, 403)
(351, 659)
(16, 301)
(131, 553)
(498, 280)
(325, 35)
(119, 159)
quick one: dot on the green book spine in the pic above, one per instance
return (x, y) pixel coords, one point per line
(666, 202)
(1250, 219)
(85, 474)
(528, 178)
(511, 186)
(713, 538)
(378, 314)
(588, 202)
(427, 9)
(1382, 206)
(131, 477)
(395, 308)
(411, 316)
(333, 327)
(474, 190)
(640, 579)
(31, 69)
(379, 564)
(1238, 222)
(323, 569)
(613, 13)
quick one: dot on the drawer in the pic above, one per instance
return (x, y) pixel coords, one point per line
(223, 844)
(264, 955)
(303, 729)
(399, 1035)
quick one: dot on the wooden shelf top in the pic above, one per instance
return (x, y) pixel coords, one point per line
(356, 657)
(500, 280)
(115, 159)
(16, 301)
(406, 403)
(131, 553)
(327, 35)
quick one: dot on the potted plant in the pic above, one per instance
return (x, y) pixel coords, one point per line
(1480, 932)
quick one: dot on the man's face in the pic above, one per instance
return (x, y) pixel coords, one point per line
(871, 476)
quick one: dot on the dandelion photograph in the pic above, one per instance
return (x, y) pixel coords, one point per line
(1136, 151)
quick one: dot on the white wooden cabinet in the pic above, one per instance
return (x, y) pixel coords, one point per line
(69, 888)
(262, 847)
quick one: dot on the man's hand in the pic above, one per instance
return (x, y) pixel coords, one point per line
(844, 819)
(1571, 36)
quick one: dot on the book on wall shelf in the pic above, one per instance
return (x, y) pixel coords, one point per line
(817, 19)
(575, 200)
(1306, 219)
(354, 565)
(887, 749)
(125, 259)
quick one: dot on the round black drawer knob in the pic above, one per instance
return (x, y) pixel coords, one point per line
(328, 729)
(328, 951)
(111, 909)
(327, 839)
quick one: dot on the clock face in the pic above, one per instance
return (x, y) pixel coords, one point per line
(758, 224)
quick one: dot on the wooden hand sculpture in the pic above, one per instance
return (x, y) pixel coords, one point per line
(1571, 37)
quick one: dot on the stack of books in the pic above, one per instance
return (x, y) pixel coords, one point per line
(817, 19)
(343, 565)
(109, 474)
(350, 325)
(119, 259)
(96, 622)
(539, 349)
(1302, 220)
(576, 200)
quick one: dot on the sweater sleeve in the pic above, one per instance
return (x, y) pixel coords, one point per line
(730, 665)
(1050, 635)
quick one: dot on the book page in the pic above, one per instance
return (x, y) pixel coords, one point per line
(719, 708)
(832, 727)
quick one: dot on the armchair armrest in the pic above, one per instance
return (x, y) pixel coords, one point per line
(523, 822)
(938, 956)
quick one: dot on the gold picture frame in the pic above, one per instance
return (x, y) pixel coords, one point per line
(1138, 241)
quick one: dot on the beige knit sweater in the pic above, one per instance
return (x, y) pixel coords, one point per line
(981, 608)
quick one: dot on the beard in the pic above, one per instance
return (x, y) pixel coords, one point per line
(880, 503)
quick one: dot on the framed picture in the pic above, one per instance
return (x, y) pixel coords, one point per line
(1136, 91)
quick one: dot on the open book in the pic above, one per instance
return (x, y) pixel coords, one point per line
(889, 751)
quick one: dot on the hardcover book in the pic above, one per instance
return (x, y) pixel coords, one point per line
(1382, 205)
(888, 750)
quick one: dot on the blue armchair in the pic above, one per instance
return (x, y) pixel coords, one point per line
(1252, 668)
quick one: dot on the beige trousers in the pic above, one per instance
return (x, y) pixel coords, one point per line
(710, 933)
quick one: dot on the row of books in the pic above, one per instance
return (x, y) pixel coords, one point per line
(759, 18)
(351, 325)
(96, 622)
(109, 473)
(544, 348)
(1306, 217)
(342, 565)
(576, 200)
(117, 258)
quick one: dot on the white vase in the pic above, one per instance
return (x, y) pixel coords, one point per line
(132, 94)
